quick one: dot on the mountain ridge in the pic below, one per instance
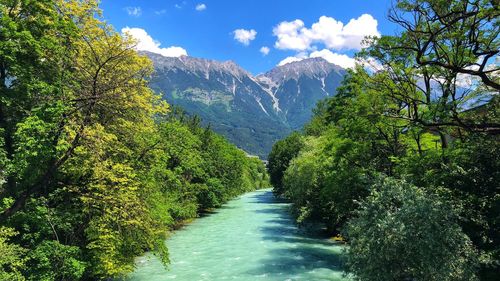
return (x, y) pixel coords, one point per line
(251, 111)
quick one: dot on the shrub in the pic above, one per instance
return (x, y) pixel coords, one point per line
(402, 233)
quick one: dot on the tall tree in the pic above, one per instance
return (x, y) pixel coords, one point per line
(442, 63)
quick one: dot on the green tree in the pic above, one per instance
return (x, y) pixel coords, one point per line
(403, 233)
(54, 261)
(282, 153)
(94, 170)
(12, 260)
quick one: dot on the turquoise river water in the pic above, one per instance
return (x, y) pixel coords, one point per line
(251, 238)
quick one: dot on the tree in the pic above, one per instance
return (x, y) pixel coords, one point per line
(282, 153)
(76, 108)
(441, 64)
(12, 259)
(403, 233)
(460, 37)
(412, 117)
(35, 58)
(92, 171)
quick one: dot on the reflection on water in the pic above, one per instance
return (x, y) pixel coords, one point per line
(250, 238)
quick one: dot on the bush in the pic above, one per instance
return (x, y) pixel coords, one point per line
(52, 260)
(402, 233)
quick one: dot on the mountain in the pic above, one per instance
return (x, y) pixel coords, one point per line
(298, 86)
(251, 111)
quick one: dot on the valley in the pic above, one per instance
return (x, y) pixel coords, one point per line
(326, 140)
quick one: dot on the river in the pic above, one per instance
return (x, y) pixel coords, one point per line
(250, 238)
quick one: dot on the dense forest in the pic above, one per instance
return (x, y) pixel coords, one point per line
(404, 161)
(94, 168)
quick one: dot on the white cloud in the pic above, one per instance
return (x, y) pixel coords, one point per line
(244, 36)
(341, 60)
(200, 7)
(264, 50)
(338, 59)
(289, 60)
(160, 12)
(371, 64)
(468, 81)
(181, 5)
(465, 80)
(356, 30)
(134, 11)
(146, 43)
(289, 37)
(328, 31)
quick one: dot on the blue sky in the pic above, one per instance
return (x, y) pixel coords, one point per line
(238, 30)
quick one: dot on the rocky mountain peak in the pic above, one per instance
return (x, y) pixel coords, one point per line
(197, 65)
(310, 67)
(252, 111)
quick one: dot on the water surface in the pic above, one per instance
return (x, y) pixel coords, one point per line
(251, 238)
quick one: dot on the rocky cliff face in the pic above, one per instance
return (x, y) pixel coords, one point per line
(251, 111)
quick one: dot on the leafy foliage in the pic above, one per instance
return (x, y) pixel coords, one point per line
(413, 120)
(279, 159)
(94, 168)
(11, 258)
(402, 233)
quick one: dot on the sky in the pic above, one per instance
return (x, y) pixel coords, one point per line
(257, 35)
